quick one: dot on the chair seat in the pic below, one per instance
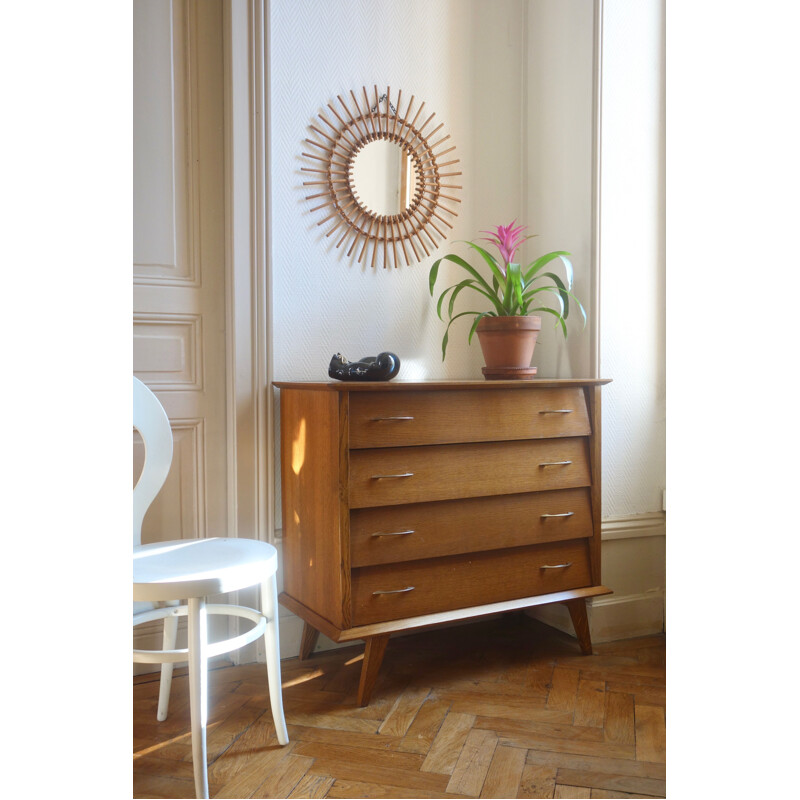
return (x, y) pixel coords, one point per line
(184, 568)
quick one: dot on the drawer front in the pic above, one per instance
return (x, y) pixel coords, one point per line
(393, 476)
(395, 591)
(401, 419)
(450, 527)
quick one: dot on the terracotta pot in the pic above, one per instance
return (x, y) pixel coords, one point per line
(507, 342)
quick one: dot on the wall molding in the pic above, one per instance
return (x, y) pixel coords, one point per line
(634, 527)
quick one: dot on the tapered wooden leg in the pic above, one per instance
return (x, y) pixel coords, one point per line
(308, 641)
(580, 620)
(373, 657)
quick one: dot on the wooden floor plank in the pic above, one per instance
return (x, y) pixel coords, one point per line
(282, 780)
(403, 712)
(564, 689)
(650, 733)
(619, 720)
(473, 763)
(312, 786)
(572, 792)
(243, 776)
(604, 780)
(505, 773)
(446, 747)
(646, 694)
(537, 781)
(607, 793)
(590, 703)
(544, 729)
(618, 766)
(425, 727)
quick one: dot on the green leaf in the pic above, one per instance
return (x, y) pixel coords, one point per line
(447, 331)
(515, 279)
(475, 274)
(475, 324)
(535, 266)
(562, 291)
(490, 260)
(463, 285)
(559, 318)
(531, 293)
(433, 274)
(442, 296)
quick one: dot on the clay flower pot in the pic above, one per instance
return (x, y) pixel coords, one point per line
(507, 344)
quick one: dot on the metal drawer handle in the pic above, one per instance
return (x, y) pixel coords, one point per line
(393, 533)
(555, 463)
(556, 411)
(399, 475)
(394, 591)
(565, 514)
(556, 566)
(389, 419)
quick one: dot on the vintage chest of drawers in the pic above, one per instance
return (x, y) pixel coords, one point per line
(411, 504)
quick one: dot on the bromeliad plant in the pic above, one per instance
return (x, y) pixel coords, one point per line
(512, 291)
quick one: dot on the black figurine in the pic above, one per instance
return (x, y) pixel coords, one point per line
(382, 367)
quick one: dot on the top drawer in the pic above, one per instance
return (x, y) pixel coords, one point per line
(401, 419)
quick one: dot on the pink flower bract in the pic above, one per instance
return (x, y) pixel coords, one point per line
(507, 239)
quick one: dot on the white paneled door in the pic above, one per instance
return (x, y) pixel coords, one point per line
(179, 346)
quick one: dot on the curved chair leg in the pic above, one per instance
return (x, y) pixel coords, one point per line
(170, 637)
(198, 690)
(269, 607)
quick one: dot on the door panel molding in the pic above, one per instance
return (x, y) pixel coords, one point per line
(166, 192)
(167, 351)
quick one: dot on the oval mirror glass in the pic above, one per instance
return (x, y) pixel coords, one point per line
(383, 178)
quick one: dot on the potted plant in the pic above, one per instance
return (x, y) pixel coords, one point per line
(508, 330)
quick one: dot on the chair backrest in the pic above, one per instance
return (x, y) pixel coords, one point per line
(150, 419)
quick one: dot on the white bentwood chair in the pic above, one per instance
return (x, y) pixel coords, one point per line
(173, 579)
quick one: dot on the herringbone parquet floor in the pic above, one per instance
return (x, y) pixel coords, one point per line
(506, 707)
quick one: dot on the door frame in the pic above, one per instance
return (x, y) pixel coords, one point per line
(249, 365)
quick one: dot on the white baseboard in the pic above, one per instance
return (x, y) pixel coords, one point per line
(611, 617)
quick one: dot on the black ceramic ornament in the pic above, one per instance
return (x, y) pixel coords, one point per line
(382, 367)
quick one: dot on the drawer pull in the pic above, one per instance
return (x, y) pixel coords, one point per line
(556, 566)
(556, 411)
(389, 419)
(555, 463)
(565, 514)
(399, 475)
(392, 533)
(394, 591)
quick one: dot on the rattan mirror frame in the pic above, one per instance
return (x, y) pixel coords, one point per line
(419, 224)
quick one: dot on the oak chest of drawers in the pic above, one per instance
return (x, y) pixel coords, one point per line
(410, 504)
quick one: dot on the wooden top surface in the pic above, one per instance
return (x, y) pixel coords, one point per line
(395, 385)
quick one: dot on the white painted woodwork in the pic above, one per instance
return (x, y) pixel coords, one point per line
(179, 288)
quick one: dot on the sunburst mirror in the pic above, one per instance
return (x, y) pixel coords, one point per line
(384, 187)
